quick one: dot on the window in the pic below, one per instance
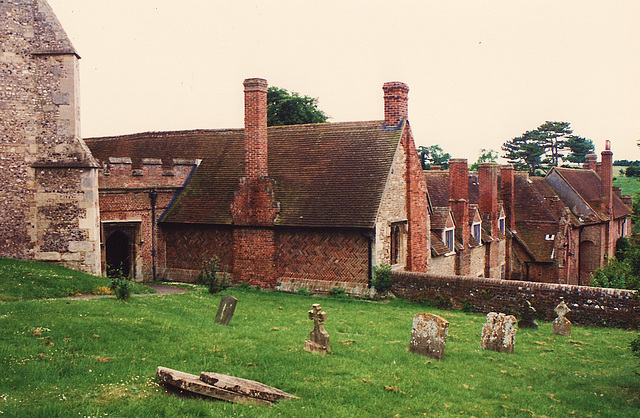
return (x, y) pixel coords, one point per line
(501, 225)
(475, 231)
(397, 240)
(447, 238)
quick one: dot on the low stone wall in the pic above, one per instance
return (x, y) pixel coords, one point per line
(589, 305)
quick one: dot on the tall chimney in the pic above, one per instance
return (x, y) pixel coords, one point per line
(488, 196)
(396, 98)
(606, 176)
(255, 128)
(507, 193)
(591, 160)
(459, 195)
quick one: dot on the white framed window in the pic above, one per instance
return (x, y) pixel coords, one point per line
(448, 238)
(502, 225)
(476, 231)
(397, 243)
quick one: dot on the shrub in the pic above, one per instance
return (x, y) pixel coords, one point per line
(303, 291)
(382, 279)
(244, 286)
(211, 277)
(635, 346)
(121, 287)
(338, 292)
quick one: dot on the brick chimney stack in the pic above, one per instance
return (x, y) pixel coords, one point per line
(255, 128)
(459, 195)
(507, 193)
(591, 161)
(606, 176)
(488, 198)
(396, 98)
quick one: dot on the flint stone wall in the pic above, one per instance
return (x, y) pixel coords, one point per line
(589, 305)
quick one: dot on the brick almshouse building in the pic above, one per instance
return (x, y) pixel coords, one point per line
(314, 205)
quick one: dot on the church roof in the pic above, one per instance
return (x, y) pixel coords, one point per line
(50, 37)
(326, 175)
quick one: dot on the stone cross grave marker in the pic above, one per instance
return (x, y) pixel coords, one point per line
(429, 335)
(319, 338)
(561, 325)
(225, 310)
(528, 314)
(499, 333)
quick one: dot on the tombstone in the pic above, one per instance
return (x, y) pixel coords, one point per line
(561, 325)
(319, 338)
(528, 316)
(429, 335)
(225, 310)
(499, 333)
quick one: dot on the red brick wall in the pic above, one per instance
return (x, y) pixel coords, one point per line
(323, 255)
(254, 256)
(187, 246)
(418, 235)
(589, 305)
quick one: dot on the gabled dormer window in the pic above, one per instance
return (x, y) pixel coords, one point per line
(476, 229)
(448, 238)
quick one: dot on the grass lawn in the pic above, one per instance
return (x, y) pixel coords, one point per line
(98, 358)
(630, 185)
(24, 280)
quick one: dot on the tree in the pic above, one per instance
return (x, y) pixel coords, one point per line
(433, 155)
(546, 146)
(486, 156)
(284, 108)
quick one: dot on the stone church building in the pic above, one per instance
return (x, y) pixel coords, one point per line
(49, 194)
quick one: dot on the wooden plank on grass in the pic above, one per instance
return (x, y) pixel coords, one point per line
(192, 383)
(246, 387)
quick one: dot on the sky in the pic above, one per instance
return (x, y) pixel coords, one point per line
(479, 72)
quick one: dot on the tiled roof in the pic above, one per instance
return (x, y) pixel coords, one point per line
(533, 236)
(438, 186)
(588, 185)
(326, 175)
(438, 248)
(439, 218)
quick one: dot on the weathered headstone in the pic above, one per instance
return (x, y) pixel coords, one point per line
(499, 333)
(319, 338)
(429, 335)
(528, 315)
(561, 325)
(225, 310)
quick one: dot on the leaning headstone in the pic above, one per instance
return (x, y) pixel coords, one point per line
(225, 310)
(499, 333)
(319, 338)
(528, 315)
(429, 335)
(561, 325)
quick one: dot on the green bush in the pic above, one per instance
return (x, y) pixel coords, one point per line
(120, 287)
(211, 276)
(303, 291)
(382, 279)
(635, 346)
(338, 292)
(244, 286)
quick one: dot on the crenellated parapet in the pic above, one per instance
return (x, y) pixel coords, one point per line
(121, 173)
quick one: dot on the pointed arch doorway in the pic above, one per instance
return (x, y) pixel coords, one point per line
(121, 248)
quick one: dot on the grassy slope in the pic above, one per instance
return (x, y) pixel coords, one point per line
(97, 357)
(24, 280)
(630, 185)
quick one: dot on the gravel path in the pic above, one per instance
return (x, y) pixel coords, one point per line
(161, 290)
